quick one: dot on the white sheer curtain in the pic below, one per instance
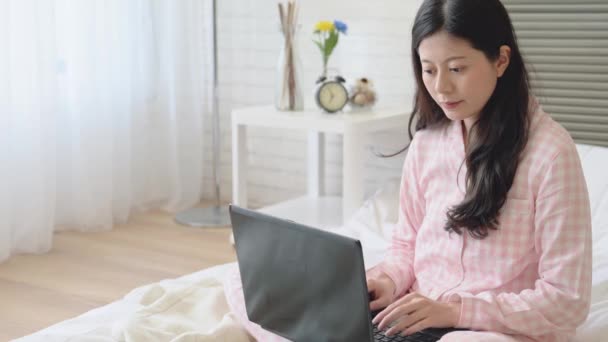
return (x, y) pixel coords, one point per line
(101, 113)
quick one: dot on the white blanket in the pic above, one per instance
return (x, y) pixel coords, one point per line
(187, 309)
(193, 307)
(194, 311)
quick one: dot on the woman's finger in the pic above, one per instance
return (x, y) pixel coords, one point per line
(410, 297)
(404, 300)
(387, 310)
(377, 304)
(400, 312)
(420, 325)
(371, 285)
(407, 321)
(380, 315)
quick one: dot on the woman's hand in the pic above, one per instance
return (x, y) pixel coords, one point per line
(414, 312)
(382, 291)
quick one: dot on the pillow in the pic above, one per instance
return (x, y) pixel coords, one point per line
(595, 167)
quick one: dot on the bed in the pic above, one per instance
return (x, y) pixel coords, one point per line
(194, 307)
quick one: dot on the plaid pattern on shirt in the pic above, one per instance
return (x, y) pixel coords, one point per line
(528, 281)
(532, 276)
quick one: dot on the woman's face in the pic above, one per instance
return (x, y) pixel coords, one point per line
(460, 78)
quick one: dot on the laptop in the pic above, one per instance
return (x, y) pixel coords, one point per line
(306, 284)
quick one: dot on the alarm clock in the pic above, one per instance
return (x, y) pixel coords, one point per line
(331, 94)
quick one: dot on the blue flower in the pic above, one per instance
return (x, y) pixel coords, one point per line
(340, 26)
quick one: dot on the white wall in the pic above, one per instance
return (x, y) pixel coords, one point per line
(377, 47)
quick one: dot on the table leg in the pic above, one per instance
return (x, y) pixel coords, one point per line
(352, 173)
(239, 165)
(316, 159)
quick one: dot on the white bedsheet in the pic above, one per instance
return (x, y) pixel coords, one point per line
(193, 307)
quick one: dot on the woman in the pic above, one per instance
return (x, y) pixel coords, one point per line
(494, 228)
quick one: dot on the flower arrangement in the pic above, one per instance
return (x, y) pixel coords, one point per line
(327, 36)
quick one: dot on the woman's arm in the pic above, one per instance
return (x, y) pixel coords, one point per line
(561, 296)
(399, 260)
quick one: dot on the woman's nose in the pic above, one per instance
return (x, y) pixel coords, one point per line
(443, 85)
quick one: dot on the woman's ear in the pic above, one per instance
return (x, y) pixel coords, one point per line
(504, 57)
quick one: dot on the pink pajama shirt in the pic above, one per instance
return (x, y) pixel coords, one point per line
(532, 276)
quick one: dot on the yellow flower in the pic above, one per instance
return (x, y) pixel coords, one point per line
(324, 26)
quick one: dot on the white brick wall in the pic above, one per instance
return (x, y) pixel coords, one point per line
(377, 47)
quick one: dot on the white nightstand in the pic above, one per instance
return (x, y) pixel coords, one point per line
(314, 209)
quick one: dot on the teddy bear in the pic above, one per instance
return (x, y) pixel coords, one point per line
(363, 93)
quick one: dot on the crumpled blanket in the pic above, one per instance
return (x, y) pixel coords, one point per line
(192, 312)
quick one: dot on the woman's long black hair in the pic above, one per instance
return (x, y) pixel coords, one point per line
(498, 138)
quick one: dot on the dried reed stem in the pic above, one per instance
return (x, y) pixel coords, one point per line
(288, 27)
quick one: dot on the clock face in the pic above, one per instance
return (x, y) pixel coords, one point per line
(332, 96)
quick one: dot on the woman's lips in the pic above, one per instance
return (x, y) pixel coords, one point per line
(451, 105)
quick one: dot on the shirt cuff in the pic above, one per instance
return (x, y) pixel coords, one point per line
(465, 321)
(401, 285)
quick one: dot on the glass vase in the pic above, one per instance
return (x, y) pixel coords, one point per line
(288, 90)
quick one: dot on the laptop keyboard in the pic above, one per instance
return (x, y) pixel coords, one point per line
(426, 335)
(417, 337)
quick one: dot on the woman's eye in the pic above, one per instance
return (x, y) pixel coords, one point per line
(427, 71)
(455, 69)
